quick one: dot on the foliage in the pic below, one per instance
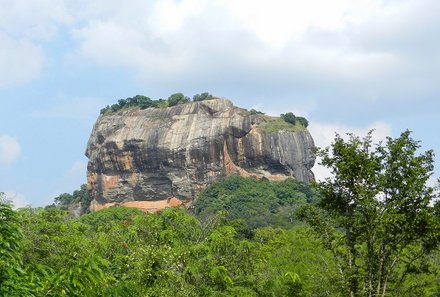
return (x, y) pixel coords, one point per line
(302, 121)
(255, 112)
(202, 96)
(297, 251)
(143, 102)
(100, 220)
(275, 124)
(177, 98)
(128, 253)
(125, 252)
(294, 120)
(289, 118)
(376, 216)
(374, 221)
(138, 101)
(11, 237)
(257, 202)
(81, 196)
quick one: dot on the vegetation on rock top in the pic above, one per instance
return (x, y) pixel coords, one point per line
(143, 102)
(287, 122)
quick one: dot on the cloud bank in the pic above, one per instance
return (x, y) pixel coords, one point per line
(9, 149)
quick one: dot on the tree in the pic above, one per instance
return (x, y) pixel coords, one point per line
(376, 211)
(11, 238)
(289, 118)
(258, 203)
(81, 196)
(302, 121)
(202, 96)
(177, 98)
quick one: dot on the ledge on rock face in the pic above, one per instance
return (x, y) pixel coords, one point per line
(146, 206)
(154, 154)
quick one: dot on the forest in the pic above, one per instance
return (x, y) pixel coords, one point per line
(371, 229)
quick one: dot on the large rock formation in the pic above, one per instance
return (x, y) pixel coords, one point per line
(155, 154)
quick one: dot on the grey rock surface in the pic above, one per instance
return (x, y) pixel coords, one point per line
(154, 154)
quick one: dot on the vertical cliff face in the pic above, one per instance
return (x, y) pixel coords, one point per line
(155, 154)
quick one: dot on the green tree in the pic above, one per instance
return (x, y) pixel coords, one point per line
(289, 118)
(302, 121)
(177, 98)
(257, 202)
(376, 208)
(80, 196)
(202, 96)
(11, 238)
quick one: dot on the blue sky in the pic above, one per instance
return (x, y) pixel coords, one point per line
(348, 66)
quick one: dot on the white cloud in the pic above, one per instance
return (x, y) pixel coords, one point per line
(25, 27)
(9, 149)
(324, 134)
(36, 19)
(20, 61)
(324, 42)
(280, 21)
(16, 199)
(169, 16)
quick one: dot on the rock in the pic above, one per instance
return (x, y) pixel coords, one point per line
(154, 154)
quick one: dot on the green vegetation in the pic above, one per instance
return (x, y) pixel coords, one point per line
(294, 120)
(373, 229)
(177, 98)
(143, 102)
(202, 96)
(274, 124)
(80, 197)
(164, 254)
(11, 262)
(258, 203)
(255, 112)
(377, 216)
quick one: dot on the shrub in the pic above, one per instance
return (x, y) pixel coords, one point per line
(289, 118)
(177, 98)
(302, 121)
(292, 119)
(202, 96)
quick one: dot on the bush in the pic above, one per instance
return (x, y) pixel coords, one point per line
(292, 119)
(255, 112)
(202, 96)
(143, 102)
(177, 98)
(257, 202)
(289, 118)
(302, 121)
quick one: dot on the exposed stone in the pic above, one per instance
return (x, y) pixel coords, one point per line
(155, 154)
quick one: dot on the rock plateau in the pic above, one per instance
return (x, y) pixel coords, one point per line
(158, 154)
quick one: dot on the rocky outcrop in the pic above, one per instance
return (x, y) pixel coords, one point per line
(155, 154)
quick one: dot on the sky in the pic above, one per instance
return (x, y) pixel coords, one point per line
(346, 65)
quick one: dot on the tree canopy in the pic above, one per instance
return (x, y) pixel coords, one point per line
(143, 102)
(258, 203)
(292, 119)
(377, 213)
(373, 230)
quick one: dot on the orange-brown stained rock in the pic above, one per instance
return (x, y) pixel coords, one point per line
(110, 182)
(127, 161)
(147, 206)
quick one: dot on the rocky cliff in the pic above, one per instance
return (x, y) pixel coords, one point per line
(159, 153)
